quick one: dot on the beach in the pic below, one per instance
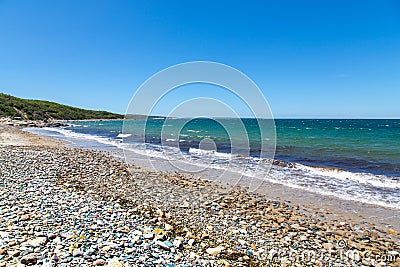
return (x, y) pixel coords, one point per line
(195, 133)
(63, 206)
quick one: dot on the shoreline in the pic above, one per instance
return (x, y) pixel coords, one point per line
(31, 123)
(212, 226)
(326, 207)
(11, 135)
(329, 207)
(318, 164)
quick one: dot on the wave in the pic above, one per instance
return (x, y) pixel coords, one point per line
(74, 135)
(362, 187)
(197, 151)
(123, 135)
(364, 178)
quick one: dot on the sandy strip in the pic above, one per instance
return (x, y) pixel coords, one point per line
(10, 135)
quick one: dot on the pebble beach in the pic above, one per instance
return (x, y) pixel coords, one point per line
(63, 206)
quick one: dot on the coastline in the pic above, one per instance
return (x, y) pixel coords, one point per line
(31, 123)
(198, 222)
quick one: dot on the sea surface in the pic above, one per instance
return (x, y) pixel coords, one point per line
(357, 160)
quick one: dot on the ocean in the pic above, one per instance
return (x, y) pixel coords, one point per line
(351, 159)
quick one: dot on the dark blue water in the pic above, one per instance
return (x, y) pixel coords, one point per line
(371, 146)
(357, 160)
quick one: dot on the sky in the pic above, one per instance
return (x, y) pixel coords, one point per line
(311, 59)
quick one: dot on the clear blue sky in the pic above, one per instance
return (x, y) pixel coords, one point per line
(310, 58)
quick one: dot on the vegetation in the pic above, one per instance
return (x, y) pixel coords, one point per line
(11, 106)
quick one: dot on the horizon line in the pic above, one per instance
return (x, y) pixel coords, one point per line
(280, 118)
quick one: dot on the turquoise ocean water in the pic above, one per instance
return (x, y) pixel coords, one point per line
(351, 159)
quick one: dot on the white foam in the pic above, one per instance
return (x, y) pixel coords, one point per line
(223, 155)
(71, 134)
(356, 197)
(363, 178)
(123, 135)
(214, 153)
(329, 182)
(198, 151)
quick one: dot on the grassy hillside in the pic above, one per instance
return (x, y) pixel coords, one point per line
(11, 106)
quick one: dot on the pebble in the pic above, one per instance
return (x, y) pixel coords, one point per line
(24, 217)
(328, 246)
(392, 231)
(29, 259)
(163, 245)
(177, 243)
(215, 251)
(90, 252)
(64, 207)
(37, 242)
(168, 227)
(77, 253)
(191, 242)
(99, 262)
(149, 236)
(114, 262)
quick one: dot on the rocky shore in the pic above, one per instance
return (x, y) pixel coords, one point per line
(63, 206)
(19, 123)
